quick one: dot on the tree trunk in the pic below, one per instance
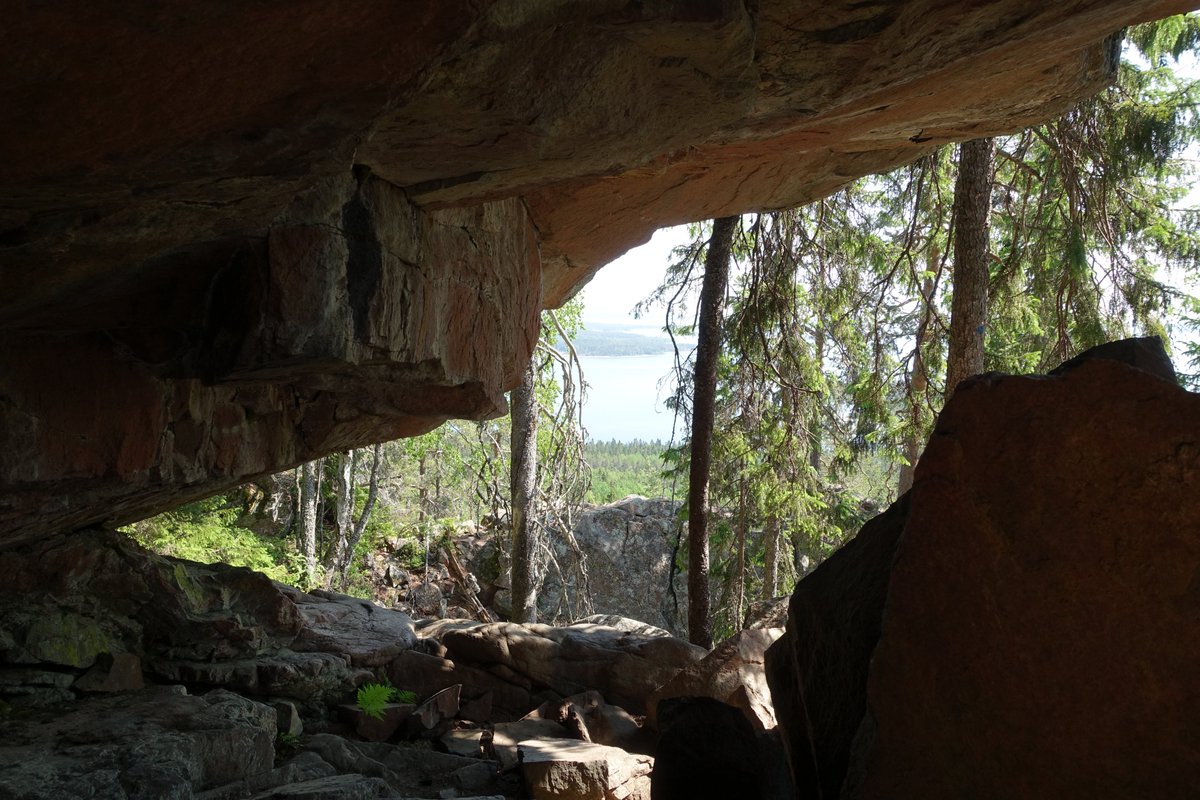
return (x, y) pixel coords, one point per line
(704, 391)
(523, 485)
(364, 517)
(770, 585)
(308, 519)
(739, 562)
(918, 383)
(968, 310)
(422, 489)
(343, 499)
(815, 443)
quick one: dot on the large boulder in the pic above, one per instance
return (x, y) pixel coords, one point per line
(81, 604)
(518, 663)
(818, 670)
(1037, 636)
(626, 551)
(145, 745)
(732, 673)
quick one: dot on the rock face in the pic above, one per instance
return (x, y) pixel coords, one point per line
(96, 599)
(1037, 636)
(618, 573)
(818, 670)
(235, 239)
(156, 743)
(628, 550)
(733, 674)
(358, 318)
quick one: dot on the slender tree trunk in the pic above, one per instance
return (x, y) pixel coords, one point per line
(422, 490)
(815, 443)
(523, 482)
(968, 310)
(739, 564)
(319, 466)
(800, 557)
(343, 499)
(918, 382)
(704, 392)
(308, 519)
(364, 517)
(770, 585)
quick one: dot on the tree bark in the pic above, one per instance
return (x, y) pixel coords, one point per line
(360, 525)
(308, 519)
(770, 585)
(343, 499)
(918, 382)
(704, 391)
(739, 556)
(523, 485)
(968, 310)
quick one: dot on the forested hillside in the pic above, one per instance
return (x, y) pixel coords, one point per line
(620, 469)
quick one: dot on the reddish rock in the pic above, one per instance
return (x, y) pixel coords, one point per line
(1042, 619)
(1029, 630)
(818, 669)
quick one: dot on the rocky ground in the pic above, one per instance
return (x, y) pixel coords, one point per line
(126, 674)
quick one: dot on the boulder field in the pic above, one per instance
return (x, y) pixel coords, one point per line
(124, 674)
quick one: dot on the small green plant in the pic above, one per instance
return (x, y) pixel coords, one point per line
(406, 696)
(287, 744)
(373, 697)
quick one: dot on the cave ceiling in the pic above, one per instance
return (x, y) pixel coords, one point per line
(238, 236)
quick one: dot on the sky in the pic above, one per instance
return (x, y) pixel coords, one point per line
(622, 284)
(625, 394)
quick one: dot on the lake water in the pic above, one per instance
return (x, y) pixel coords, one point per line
(624, 399)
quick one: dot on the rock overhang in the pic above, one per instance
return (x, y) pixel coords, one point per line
(239, 237)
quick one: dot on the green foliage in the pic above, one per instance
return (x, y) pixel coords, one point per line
(372, 698)
(620, 469)
(406, 696)
(207, 531)
(287, 745)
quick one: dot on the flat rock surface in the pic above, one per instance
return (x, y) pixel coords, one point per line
(144, 745)
(570, 770)
(369, 635)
